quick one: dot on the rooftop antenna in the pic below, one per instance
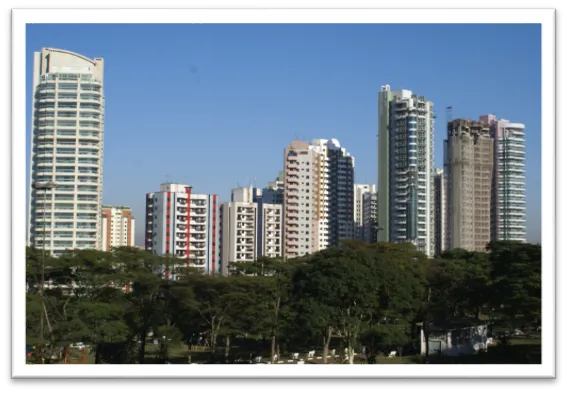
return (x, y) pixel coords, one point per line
(449, 114)
(167, 177)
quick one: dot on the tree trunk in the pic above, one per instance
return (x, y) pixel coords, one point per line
(227, 346)
(326, 342)
(273, 349)
(274, 326)
(143, 334)
(426, 338)
(214, 334)
(350, 354)
(98, 353)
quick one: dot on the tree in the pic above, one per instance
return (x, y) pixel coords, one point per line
(383, 336)
(216, 300)
(273, 287)
(146, 293)
(333, 292)
(516, 276)
(475, 291)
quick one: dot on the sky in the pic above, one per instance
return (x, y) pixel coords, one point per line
(214, 105)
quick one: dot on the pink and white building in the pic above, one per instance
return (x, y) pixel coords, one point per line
(508, 211)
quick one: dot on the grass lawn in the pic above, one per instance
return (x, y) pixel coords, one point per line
(520, 350)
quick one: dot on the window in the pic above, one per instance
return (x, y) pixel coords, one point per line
(67, 86)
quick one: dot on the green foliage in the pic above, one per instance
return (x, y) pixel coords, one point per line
(360, 294)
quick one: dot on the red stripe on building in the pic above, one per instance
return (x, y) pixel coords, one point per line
(167, 223)
(214, 233)
(188, 191)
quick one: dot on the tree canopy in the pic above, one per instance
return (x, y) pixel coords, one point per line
(360, 295)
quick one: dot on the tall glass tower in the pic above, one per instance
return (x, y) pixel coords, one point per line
(66, 152)
(405, 169)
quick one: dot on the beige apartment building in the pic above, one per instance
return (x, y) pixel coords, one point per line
(318, 196)
(117, 227)
(469, 165)
(250, 228)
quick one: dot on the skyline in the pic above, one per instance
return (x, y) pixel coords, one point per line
(346, 110)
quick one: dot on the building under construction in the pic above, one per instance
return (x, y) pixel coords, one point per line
(469, 164)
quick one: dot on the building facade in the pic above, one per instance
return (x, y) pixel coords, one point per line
(318, 196)
(340, 184)
(441, 223)
(118, 226)
(274, 192)
(405, 169)
(365, 212)
(184, 226)
(469, 165)
(250, 228)
(66, 151)
(509, 180)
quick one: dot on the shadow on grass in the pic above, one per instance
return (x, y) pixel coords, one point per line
(500, 354)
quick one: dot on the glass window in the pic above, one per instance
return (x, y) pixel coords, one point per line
(67, 96)
(67, 86)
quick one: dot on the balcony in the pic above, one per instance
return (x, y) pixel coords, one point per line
(200, 262)
(198, 211)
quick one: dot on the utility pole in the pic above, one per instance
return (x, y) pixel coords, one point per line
(43, 187)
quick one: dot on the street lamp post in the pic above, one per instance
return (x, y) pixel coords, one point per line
(43, 187)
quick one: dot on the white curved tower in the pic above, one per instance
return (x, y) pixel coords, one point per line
(67, 150)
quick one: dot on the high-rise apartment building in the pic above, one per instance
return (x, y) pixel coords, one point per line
(183, 225)
(66, 151)
(374, 216)
(405, 169)
(469, 162)
(509, 180)
(318, 196)
(365, 212)
(441, 222)
(117, 227)
(273, 193)
(250, 228)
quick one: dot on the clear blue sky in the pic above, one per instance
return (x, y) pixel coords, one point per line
(214, 105)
